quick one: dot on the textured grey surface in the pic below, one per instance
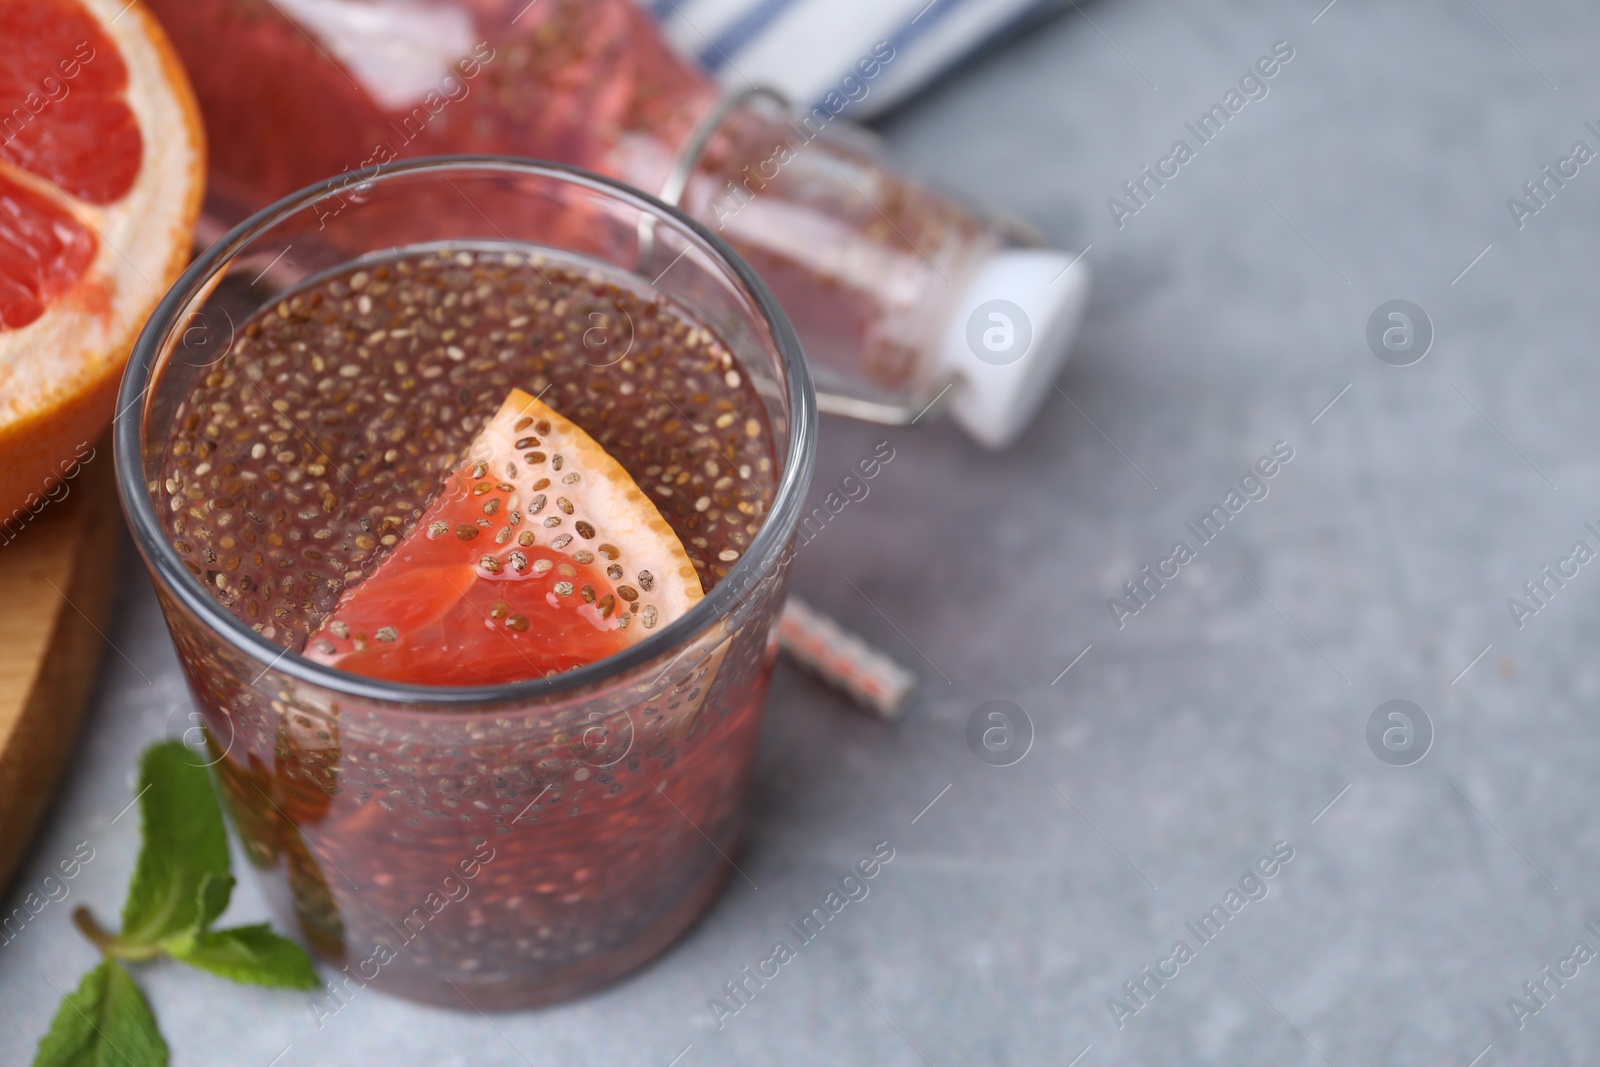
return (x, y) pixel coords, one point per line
(1226, 715)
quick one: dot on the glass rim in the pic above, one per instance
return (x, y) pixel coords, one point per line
(151, 539)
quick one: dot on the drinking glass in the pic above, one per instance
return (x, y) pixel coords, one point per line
(500, 846)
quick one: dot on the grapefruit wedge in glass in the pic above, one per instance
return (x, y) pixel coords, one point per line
(102, 166)
(539, 554)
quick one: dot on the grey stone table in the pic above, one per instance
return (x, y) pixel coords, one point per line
(1229, 715)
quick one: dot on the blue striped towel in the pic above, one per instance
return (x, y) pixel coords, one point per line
(807, 49)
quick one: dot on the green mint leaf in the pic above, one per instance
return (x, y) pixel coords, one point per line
(215, 891)
(105, 1022)
(184, 842)
(252, 954)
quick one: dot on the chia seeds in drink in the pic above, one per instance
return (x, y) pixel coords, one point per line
(310, 449)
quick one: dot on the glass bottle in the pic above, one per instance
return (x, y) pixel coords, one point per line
(903, 298)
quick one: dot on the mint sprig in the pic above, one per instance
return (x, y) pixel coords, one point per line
(105, 1021)
(181, 885)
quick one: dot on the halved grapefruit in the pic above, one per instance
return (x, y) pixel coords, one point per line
(539, 554)
(102, 165)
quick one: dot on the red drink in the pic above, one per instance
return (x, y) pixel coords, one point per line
(518, 841)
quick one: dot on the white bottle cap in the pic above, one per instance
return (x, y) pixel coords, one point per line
(1012, 327)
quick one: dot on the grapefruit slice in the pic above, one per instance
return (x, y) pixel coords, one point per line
(101, 175)
(539, 554)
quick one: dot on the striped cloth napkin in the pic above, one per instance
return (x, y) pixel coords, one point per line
(873, 53)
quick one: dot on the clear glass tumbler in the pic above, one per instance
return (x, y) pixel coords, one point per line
(493, 847)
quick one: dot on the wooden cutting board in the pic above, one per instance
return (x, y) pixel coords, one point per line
(56, 583)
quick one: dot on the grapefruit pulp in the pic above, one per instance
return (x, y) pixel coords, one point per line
(101, 176)
(539, 554)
